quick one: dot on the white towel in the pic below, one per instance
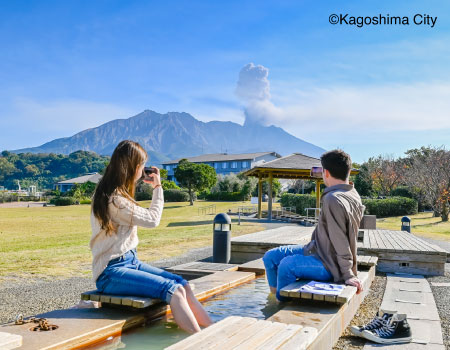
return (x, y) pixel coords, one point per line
(322, 288)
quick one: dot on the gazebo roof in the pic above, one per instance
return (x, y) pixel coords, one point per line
(294, 166)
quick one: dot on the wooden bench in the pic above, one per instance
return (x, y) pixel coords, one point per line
(130, 301)
(293, 290)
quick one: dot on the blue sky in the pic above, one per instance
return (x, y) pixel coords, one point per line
(66, 66)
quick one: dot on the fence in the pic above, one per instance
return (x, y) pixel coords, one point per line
(208, 210)
(284, 211)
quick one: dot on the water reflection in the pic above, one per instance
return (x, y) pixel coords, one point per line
(251, 299)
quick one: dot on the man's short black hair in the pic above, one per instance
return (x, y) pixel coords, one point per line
(338, 163)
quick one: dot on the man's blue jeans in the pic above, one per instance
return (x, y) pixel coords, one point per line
(126, 275)
(284, 265)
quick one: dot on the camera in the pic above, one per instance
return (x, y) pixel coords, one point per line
(147, 172)
(316, 172)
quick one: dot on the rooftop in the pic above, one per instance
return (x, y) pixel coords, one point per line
(221, 157)
(94, 177)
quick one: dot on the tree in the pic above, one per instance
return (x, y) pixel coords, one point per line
(385, 174)
(427, 171)
(195, 177)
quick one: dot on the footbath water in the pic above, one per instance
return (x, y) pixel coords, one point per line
(251, 299)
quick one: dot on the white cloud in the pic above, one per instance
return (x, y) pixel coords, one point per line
(419, 106)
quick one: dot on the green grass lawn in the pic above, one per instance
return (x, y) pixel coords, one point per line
(54, 241)
(422, 224)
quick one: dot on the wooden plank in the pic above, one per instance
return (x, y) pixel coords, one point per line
(373, 261)
(381, 245)
(10, 341)
(198, 338)
(408, 247)
(346, 295)
(280, 338)
(293, 290)
(215, 341)
(373, 241)
(301, 340)
(256, 266)
(262, 336)
(389, 243)
(245, 334)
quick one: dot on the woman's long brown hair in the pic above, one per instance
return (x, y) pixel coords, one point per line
(119, 176)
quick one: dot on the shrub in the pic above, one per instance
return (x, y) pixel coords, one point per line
(86, 201)
(173, 195)
(299, 201)
(391, 206)
(225, 196)
(143, 196)
(60, 201)
(402, 191)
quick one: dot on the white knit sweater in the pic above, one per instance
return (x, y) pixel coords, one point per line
(126, 216)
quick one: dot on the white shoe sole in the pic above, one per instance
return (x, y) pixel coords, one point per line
(355, 331)
(370, 336)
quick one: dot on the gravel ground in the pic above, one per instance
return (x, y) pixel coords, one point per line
(442, 299)
(34, 296)
(365, 313)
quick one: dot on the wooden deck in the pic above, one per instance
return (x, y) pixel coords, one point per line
(253, 246)
(400, 251)
(397, 251)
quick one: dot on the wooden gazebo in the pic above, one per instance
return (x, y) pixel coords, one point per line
(295, 166)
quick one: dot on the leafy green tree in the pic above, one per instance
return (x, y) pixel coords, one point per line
(195, 177)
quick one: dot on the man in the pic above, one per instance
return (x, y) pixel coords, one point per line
(331, 254)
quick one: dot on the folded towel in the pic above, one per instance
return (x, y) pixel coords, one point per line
(322, 288)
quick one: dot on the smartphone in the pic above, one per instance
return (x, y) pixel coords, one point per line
(316, 172)
(146, 172)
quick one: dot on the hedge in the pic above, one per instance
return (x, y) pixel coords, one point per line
(173, 195)
(143, 196)
(392, 206)
(225, 196)
(61, 201)
(299, 201)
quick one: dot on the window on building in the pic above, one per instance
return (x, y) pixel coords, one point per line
(168, 167)
(224, 165)
(233, 165)
(245, 164)
(215, 165)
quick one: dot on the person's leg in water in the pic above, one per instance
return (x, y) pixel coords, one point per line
(123, 278)
(200, 313)
(197, 309)
(272, 260)
(299, 266)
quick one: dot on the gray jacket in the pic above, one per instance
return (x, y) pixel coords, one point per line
(334, 239)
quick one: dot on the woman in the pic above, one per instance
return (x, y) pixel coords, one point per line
(114, 220)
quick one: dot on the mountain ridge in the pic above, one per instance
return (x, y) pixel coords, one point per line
(178, 134)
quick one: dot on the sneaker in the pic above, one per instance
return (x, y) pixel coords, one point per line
(396, 331)
(381, 319)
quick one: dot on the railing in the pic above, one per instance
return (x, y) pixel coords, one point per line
(208, 210)
(284, 211)
(316, 212)
(249, 209)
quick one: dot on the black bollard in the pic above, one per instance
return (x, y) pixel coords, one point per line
(222, 239)
(406, 224)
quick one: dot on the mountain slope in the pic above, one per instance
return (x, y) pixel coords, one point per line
(175, 135)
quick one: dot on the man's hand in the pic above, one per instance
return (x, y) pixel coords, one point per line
(354, 281)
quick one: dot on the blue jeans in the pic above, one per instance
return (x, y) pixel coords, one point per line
(284, 265)
(126, 275)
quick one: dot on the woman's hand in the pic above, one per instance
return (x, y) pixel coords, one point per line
(155, 178)
(354, 281)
